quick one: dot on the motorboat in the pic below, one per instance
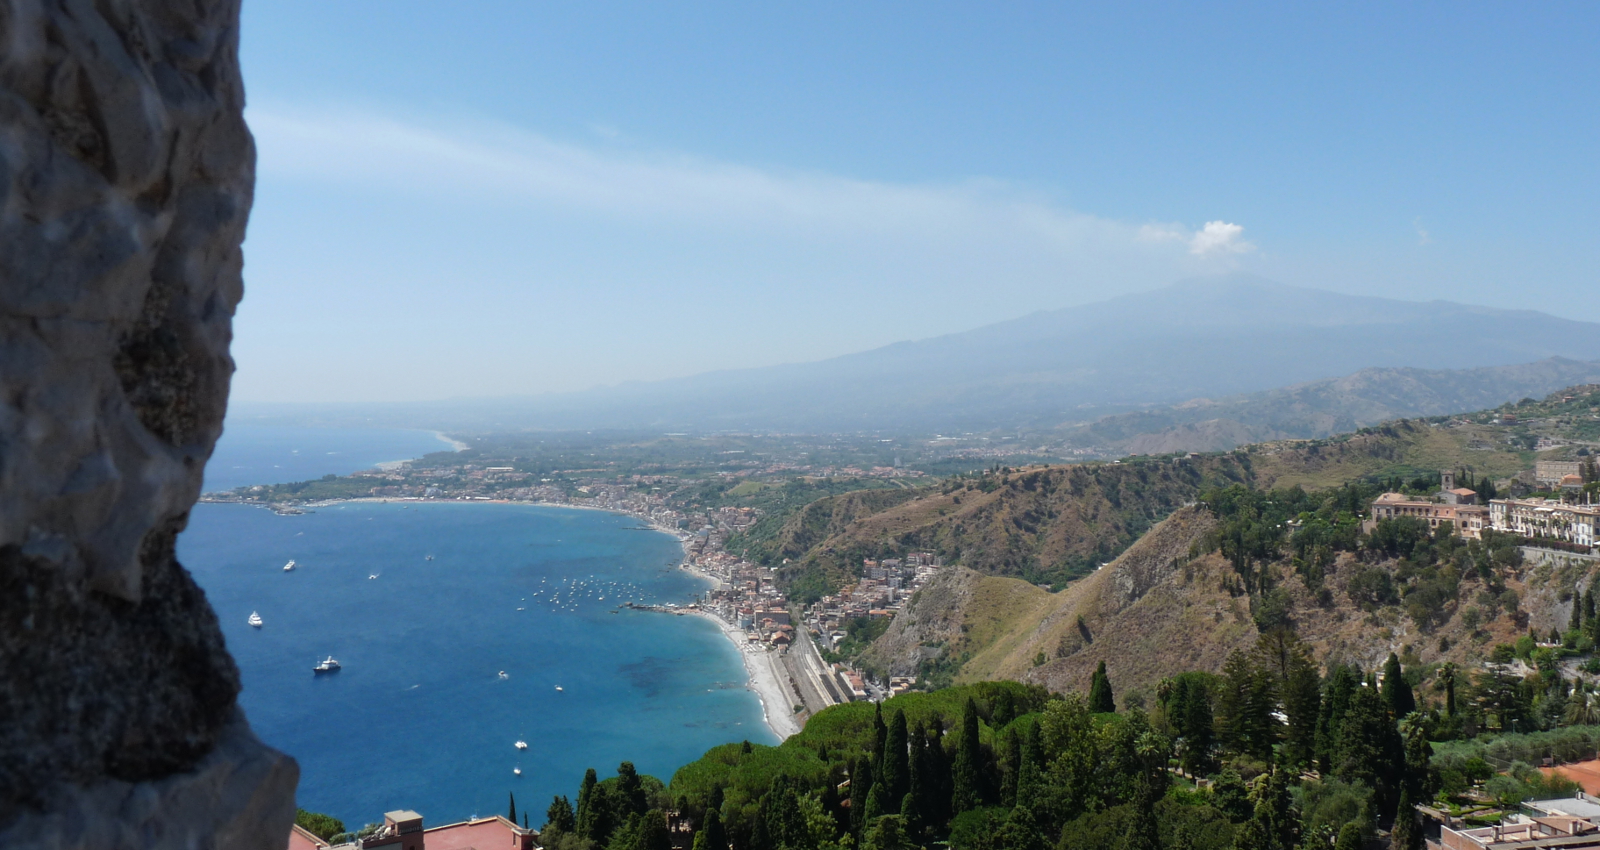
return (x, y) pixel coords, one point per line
(373, 576)
(517, 771)
(558, 687)
(521, 745)
(429, 558)
(328, 666)
(255, 619)
(289, 567)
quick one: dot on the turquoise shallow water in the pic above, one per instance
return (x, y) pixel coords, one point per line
(419, 717)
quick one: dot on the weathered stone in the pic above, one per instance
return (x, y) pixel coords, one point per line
(126, 174)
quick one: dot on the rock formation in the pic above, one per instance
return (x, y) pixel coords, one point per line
(126, 174)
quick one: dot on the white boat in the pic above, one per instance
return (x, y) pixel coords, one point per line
(289, 567)
(429, 558)
(521, 745)
(503, 675)
(373, 576)
(517, 771)
(255, 619)
(328, 666)
(558, 687)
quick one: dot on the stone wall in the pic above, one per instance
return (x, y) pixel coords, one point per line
(126, 173)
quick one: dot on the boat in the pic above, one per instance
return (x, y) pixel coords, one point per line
(329, 666)
(373, 576)
(521, 745)
(255, 619)
(429, 558)
(289, 567)
(517, 771)
(558, 687)
(503, 675)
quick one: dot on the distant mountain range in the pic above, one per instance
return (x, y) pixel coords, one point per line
(1323, 408)
(1212, 338)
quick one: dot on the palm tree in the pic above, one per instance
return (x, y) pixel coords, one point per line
(1583, 707)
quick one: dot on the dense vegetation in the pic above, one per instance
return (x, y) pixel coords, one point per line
(1294, 758)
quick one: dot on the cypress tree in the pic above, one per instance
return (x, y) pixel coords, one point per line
(1370, 748)
(1396, 690)
(513, 813)
(880, 736)
(1032, 764)
(1341, 684)
(895, 751)
(860, 791)
(716, 838)
(1350, 837)
(1447, 672)
(585, 795)
(967, 791)
(601, 821)
(914, 806)
(937, 779)
(1101, 700)
(653, 834)
(1407, 834)
(1588, 605)
(631, 787)
(1575, 622)
(559, 816)
(1010, 766)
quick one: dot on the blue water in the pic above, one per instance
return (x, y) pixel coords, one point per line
(419, 717)
(274, 454)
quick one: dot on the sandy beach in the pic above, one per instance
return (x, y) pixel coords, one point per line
(767, 680)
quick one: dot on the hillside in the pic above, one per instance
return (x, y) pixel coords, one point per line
(1045, 525)
(1324, 408)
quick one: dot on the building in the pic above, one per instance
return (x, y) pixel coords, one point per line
(1470, 520)
(1548, 518)
(1548, 473)
(1571, 823)
(403, 830)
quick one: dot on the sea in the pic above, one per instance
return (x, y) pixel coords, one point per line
(461, 629)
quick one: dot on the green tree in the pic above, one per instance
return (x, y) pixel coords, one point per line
(1396, 690)
(1447, 675)
(652, 832)
(322, 826)
(860, 791)
(1407, 834)
(896, 750)
(1350, 838)
(1371, 748)
(1245, 702)
(631, 789)
(585, 801)
(1101, 699)
(711, 828)
(559, 817)
(1342, 682)
(967, 791)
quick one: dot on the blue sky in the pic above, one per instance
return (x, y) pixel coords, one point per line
(489, 198)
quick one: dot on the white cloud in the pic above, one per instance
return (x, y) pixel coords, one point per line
(1219, 237)
(1423, 236)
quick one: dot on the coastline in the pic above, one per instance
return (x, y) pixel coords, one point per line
(763, 673)
(765, 679)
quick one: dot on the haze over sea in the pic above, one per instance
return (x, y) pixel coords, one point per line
(419, 717)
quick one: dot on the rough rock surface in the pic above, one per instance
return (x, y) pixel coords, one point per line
(126, 174)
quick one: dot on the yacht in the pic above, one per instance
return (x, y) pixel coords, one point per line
(255, 619)
(521, 745)
(517, 771)
(328, 666)
(289, 567)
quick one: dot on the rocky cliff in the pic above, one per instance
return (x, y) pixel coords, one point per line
(126, 174)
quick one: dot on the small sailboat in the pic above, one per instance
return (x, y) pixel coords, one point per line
(255, 619)
(329, 666)
(503, 675)
(373, 576)
(289, 567)
(521, 745)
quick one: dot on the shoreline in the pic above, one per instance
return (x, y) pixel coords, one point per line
(762, 674)
(765, 680)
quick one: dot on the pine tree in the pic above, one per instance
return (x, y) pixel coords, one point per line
(1370, 748)
(895, 769)
(1199, 730)
(1396, 690)
(1302, 704)
(1101, 699)
(967, 791)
